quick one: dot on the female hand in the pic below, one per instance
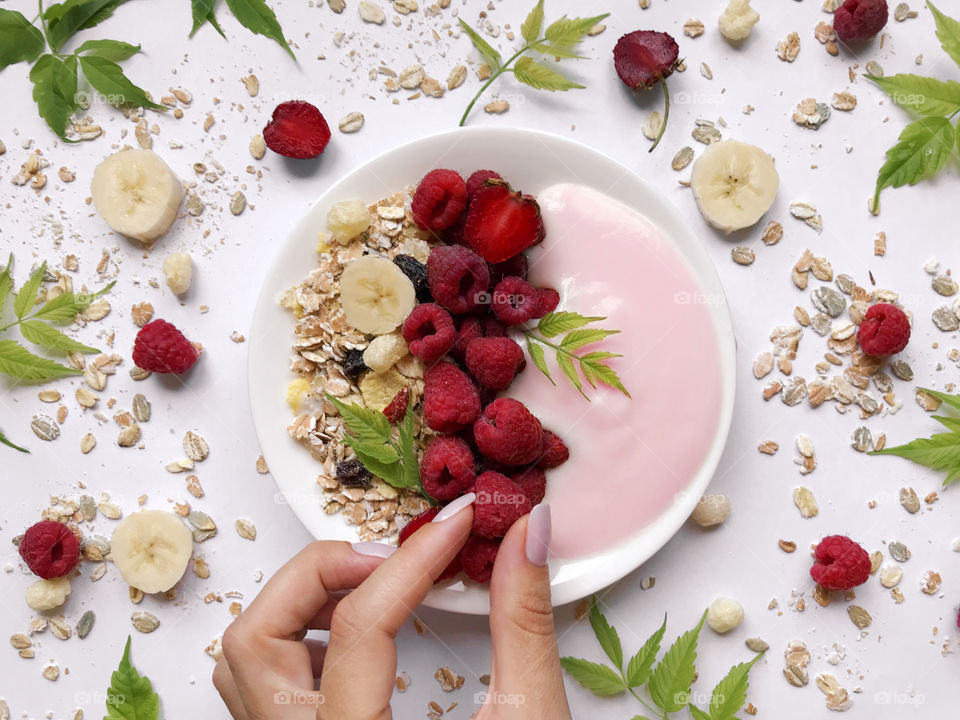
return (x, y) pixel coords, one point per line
(363, 593)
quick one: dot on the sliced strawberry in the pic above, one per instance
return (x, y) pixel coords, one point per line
(501, 222)
(297, 130)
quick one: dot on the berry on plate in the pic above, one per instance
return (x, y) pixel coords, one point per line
(429, 331)
(478, 556)
(884, 330)
(839, 563)
(447, 469)
(50, 549)
(495, 362)
(501, 222)
(553, 451)
(514, 301)
(450, 399)
(161, 348)
(533, 482)
(297, 130)
(459, 278)
(508, 433)
(500, 503)
(440, 199)
(476, 180)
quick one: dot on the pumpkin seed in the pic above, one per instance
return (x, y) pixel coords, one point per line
(757, 645)
(85, 624)
(900, 552)
(902, 369)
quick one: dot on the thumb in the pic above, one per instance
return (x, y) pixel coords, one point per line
(526, 678)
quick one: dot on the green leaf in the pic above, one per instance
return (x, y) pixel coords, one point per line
(923, 95)
(67, 18)
(578, 338)
(538, 359)
(6, 442)
(951, 423)
(27, 295)
(568, 32)
(130, 695)
(600, 679)
(257, 17)
(924, 148)
(19, 39)
(64, 307)
(602, 373)
(408, 449)
(115, 50)
(108, 79)
(566, 364)
(941, 452)
(697, 713)
(42, 334)
(18, 362)
(554, 323)
(365, 424)
(6, 281)
(55, 91)
(492, 56)
(556, 51)
(530, 30)
(606, 635)
(671, 679)
(731, 693)
(638, 669)
(389, 472)
(204, 11)
(948, 33)
(541, 77)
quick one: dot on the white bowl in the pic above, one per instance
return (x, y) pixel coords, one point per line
(532, 161)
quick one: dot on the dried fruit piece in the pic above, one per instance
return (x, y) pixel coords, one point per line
(297, 129)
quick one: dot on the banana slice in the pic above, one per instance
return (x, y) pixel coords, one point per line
(151, 548)
(137, 193)
(376, 295)
(734, 184)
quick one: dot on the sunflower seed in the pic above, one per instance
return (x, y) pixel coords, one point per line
(351, 122)
(258, 148)
(145, 622)
(141, 408)
(874, 69)
(652, 125)
(246, 529)
(49, 396)
(899, 552)
(45, 427)
(706, 134)
(138, 374)
(497, 107)
(456, 77)
(195, 446)
(85, 624)
(805, 501)
(683, 158)
(60, 629)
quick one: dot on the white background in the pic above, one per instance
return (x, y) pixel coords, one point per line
(898, 657)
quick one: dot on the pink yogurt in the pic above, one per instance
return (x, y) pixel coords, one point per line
(628, 457)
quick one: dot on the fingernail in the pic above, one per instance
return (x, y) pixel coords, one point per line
(374, 549)
(456, 506)
(538, 535)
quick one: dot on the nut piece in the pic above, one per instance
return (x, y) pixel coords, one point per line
(178, 269)
(711, 510)
(724, 615)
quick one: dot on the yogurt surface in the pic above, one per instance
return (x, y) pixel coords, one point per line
(629, 457)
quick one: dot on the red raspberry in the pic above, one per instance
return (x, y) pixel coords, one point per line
(440, 199)
(500, 503)
(860, 19)
(297, 130)
(840, 563)
(458, 278)
(471, 328)
(643, 57)
(514, 301)
(418, 522)
(450, 399)
(493, 328)
(478, 556)
(547, 301)
(553, 451)
(501, 222)
(447, 469)
(884, 330)
(518, 265)
(495, 362)
(161, 348)
(475, 181)
(397, 408)
(429, 331)
(533, 482)
(508, 433)
(50, 549)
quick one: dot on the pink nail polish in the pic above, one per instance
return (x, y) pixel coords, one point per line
(456, 506)
(538, 535)
(374, 549)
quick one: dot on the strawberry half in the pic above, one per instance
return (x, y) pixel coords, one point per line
(297, 130)
(501, 222)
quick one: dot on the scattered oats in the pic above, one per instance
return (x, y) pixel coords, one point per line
(652, 125)
(682, 158)
(337, 5)
(902, 369)
(706, 134)
(804, 445)
(743, 255)
(802, 210)
(195, 446)
(483, 72)
(706, 71)
(763, 365)
(931, 582)
(897, 595)
(252, 84)
(497, 107)
(844, 101)
(45, 427)
(794, 391)
(19, 641)
(931, 498)
(141, 408)
(944, 285)
(246, 529)
(874, 69)
(351, 122)
(596, 29)
(411, 77)
(66, 175)
(49, 396)
(194, 487)
(98, 572)
(60, 629)
(801, 316)
(238, 203)
(811, 114)
(262, 465)
(110, 510)
(402, 682)
(647, 583)
(861, 439)
(909, 500)
(208, 122)
(145, 622)
(214, 649)
(51, 672)
(806, 503)
(86, 397)
(711, 510)
(693, 28)
(582, 609)
(129, 436)
(890, 576)
(258, 147)
(932, 266)
(899, 552)
(829, 301)
(927, 401)
(456, 77)
(200, 568)
(789, 47)
(860, 617)
(449, 681)
(773, 233)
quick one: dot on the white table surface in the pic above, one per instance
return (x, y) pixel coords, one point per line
(898, 659)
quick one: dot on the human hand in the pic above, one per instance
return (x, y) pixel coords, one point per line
(363, 593)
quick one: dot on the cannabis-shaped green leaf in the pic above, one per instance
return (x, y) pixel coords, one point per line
(672, 677)
(391, 456)
(255, 15)
(19, 40)
(592, 365)
(130, 695)
(3, 440)
(940, 452)
(926, 144)
(559, 40)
